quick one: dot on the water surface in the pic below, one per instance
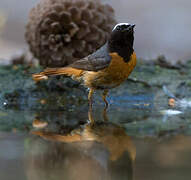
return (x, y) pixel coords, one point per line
(106, 156)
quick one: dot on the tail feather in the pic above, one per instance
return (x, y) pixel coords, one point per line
(57, 137)
(68, 71)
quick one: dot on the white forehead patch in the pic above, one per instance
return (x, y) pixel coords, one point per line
(120, 25)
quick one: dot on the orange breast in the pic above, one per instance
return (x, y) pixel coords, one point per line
(118, 68)
(113, 75)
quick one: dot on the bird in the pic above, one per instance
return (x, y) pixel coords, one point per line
(104, 69)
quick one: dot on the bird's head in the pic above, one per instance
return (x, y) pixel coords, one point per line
(121, 39)
(123, 34)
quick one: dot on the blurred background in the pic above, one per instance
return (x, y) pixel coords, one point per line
(163, 27)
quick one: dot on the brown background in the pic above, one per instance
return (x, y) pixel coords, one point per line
(163, 27)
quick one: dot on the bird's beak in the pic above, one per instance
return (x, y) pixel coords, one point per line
(131, 28)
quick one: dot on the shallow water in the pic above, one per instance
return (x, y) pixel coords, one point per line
(102, 157)
(48, 133)
(134, 139)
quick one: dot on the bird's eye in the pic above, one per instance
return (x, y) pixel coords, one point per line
(118, 28)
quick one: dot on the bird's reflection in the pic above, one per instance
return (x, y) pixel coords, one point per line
(98, 151)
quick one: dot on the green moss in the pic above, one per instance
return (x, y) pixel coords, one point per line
(62, 101)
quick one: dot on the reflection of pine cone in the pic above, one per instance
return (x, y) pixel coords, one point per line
(61, 31)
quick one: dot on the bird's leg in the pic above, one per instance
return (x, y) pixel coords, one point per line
(90, 117)
(104, 95)
(105, 114)
(90, 98)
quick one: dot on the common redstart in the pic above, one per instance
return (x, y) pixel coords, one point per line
(106, 68)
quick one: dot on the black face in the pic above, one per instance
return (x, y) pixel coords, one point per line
(123, 34)
(121, 40)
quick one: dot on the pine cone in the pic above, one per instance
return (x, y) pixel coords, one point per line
(62, 31)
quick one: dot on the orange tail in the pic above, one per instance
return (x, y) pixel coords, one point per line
(68, 71)
(57, 137)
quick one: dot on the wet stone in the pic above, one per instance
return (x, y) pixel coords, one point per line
(61, 102)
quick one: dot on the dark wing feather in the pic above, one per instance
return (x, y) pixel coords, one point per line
(94, 62)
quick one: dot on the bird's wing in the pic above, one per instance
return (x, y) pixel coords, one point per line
(94, 62)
